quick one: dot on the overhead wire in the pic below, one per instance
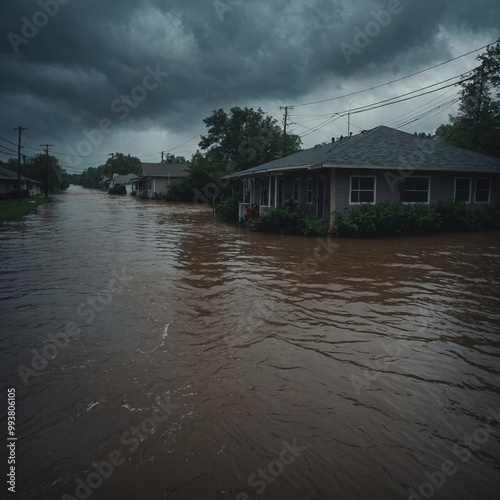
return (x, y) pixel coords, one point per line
(394, 81)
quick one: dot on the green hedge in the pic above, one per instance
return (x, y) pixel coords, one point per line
(117, 190)
(393, 219)
(290, 221)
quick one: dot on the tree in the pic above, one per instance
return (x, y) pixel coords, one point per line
(202, 184)
(477, 125)
(244, 138)
(171, 158)
(35, 167)
(94, 178)
(423, 135)
(122, 165)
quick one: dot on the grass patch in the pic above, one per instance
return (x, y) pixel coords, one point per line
(14, 210)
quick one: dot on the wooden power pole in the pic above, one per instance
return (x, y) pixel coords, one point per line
(47, 169)
(285, 123)
(20, 129)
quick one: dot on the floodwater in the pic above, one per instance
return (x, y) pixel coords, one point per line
(158, 354)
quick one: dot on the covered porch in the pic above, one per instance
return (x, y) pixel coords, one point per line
(265, 192)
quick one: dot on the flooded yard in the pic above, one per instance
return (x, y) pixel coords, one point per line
(158, 354)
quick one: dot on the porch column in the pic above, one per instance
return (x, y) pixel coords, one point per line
(333, 185)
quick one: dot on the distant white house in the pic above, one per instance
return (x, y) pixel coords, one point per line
(157, 178)
(127, 180)
(9, 182)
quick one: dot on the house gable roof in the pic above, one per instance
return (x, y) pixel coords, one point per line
(122, 179)
(383, 148)
(164, 170)
(6, 174)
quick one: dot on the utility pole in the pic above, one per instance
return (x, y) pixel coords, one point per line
(162, 157)
(19, 163)
(47, 169)
(285, 122)
(112, 165)
(349, 120)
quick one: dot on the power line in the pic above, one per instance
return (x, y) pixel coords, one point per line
(434, 111)
(398, 98)
(13, 143)
(7, 148)
(439, 98)
(394, 81)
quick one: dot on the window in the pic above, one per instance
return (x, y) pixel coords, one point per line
(296, 189)
(482, 194)
(462, 189)
(362, 190)
(416, 189)
(309, 190)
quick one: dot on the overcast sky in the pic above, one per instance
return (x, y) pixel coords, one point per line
(138, 76)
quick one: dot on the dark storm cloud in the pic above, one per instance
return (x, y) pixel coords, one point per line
(90, 54)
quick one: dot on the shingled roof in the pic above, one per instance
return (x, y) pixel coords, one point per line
(164, 170)
(383, 148)
(123, 179)
(6, 174)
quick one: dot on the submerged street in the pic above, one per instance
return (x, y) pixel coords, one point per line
(158, 354)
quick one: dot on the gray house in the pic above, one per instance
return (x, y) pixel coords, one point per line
(156, 178)
(9, 184)
(127, 180)
(380, 165)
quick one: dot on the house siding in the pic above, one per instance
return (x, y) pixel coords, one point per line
(442, 186)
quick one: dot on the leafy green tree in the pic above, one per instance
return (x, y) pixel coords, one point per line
(171, 158)
(478, 122)
(202, 184)
(244, 138)
(57, 177)
(41, 169)
(423, 135)
(121, 164)
(75, 179)
(95, 177)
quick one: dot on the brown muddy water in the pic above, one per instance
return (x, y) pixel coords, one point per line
(157, 354)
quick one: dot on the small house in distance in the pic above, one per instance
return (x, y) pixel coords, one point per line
(9, 184)
(123, 180)
(380, 165)
(156, 178)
